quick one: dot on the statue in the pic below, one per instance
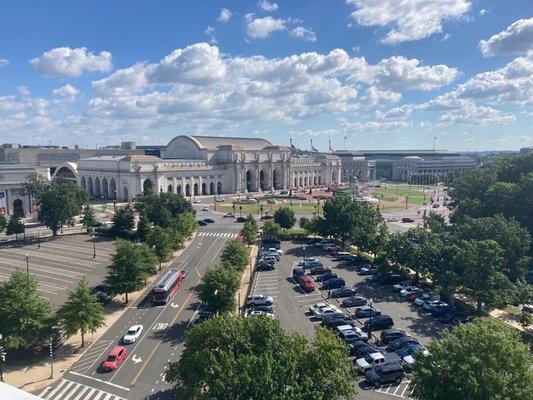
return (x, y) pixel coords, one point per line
(354, 185)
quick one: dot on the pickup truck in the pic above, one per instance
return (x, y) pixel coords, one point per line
(374, 359)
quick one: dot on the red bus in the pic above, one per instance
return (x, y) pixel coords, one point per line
(167, 286)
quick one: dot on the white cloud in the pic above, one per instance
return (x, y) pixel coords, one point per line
(68, 92)
(24, 90)
(477, 115)
(304, 33)
(224, 15)
(482, 12)
(4, 63)
(410, 19)
(516, 39)
(67, 62)
(375, 97)
(210, 31)
(266, 5)
(261, 28)
(357, 127)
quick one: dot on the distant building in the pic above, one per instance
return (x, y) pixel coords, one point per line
(408, 167)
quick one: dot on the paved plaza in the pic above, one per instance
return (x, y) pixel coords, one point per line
(58, 263)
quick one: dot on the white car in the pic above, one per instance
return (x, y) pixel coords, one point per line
(321, 312)
(317, 306)
(331, 247)
(258, 313)
(344, 328)
(274, 250)
(259, 299)
(133, 334)
(407, 291)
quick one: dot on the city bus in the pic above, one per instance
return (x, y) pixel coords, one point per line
(167, 286)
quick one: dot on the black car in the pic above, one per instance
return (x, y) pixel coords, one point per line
(263, 308)
(209, 220)
(401, 342)
(407, 219)
(325, 276)
(204, 316)
(343, 292)
(353, 301)
(319, 269)
(241, 219)
(388, 335)
(265, 266)
(265, 217)
(385, 373)
(368, 270)
(366, 312)
(202, 223)
(368, 348)
(379, 323)
(333, 283)
(297, 272)
(355, 260)
(337, 320)
(391, 279)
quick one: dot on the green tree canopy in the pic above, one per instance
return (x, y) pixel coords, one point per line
(26, 317)
(81, 312)
(59, 202)
(235, 254)
(219, 289)
(3, 222)
(123, 221)
(89, 219)
(284, 217)
(161, 208)
(271, 228)
(143, 228)
(15, 226)
(249, 232)
(253, 358)
(478, 361)
(128, 269)
(185, 223)
(35, 185)
(159, 239)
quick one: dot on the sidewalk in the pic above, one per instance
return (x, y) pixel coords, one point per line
(247, 279)
(36, 377)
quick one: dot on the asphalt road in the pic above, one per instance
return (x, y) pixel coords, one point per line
(141, 375)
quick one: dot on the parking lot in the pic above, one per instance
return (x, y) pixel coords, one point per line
(58, 263)
(291, 305)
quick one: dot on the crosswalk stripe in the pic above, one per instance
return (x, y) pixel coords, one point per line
(67, 387)
(83, 390)
(58, 387)
(217, 234)
(70, 390)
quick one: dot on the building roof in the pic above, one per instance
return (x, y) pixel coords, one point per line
(212, 142)
(129, 157)
(14, 166)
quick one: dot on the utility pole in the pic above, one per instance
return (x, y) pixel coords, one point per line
(51, 351)
(2, 360)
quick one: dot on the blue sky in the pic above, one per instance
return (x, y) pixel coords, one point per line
(380, 73)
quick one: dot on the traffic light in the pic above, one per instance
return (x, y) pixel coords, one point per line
(2, 354)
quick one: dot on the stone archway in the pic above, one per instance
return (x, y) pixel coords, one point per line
(188, 190)
(126, 194)
(83, 183)
(204, 188)
(249, 181)
(219, 188)
(195, 189)
(301, 181)
(319, 180)
(211, 188)
(178, 189)
(148, 186)
(18, 208)
(113, 189)
(275, 183)
(333, 176)
(295, 182)
(262, 181)
(90, 186)
(105, 188)
(169, 188)
(315, 181)
(97, 188)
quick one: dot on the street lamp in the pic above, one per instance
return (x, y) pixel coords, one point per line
(38, 238)
(94, 246)
(370, 301)
(27, 264)
(2, 360)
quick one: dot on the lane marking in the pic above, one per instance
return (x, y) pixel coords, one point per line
(99, 380)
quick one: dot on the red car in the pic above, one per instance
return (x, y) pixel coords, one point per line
(115, 357)
(414, 294)
(307, 283)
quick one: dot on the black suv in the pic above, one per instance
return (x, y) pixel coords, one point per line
(385, 373)
(378, 323)
(388, 335)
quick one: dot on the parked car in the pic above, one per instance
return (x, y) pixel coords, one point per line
(366, 312)
(388, 335)
(240, 219)
(265, 308)
(133, 334)
(408, 290)
(325, 276)
(257, 313)
(316, 306)
(379, 322)
(368, 270)
(228, 215)
(428, 305)
(297, 272)
(333, 283)
(350, 335)
(409, 349)
(209, 220)
(374, 359)
(390, 279)
(353, 301)
(116, 356)
(343, 292)
(331, 247)
(307, 283)
(319, 269)
(311, 264)
(203, 316)
(401, 342)
(259, 299)
(202, 223)
(384, 374)
(422, 298)
(440, 309)
(342, 256)
(364, 349)
(335, 320)
(268, 259)
(265, 266)
(331, 310)
(406, 220)
(401, 286)
(414, 294)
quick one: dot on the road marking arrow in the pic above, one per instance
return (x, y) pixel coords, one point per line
(136, 359)
(173, 305)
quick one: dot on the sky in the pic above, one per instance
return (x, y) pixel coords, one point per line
(359, 74)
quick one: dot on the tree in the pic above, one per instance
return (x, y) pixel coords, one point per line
(435, 223)
(185, 223)
(161, 208)
(3, 222)
(236, 255)
(250, 218)
(127, 271)
(159, 239)
(143, 228)
(271, 228)
(15, 226)
(123, 221)
(339, 218)
(59, 202)
(35, 185)
(89, 219)
(525, 318)
(26, 317)
(81, 312)
(482, 360)
(254, 358)
(482, 278)
(249, 232)
(147, 259)
(220, 286)
(284, 217)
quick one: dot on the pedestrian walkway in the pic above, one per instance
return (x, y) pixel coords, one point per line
(403, 390)
(69, 390)
(218, 234)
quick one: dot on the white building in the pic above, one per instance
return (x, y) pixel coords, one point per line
(205, 165)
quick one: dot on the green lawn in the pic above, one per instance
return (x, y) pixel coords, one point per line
(391, 194)
(299, 208)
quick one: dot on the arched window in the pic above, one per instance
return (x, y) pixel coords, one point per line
(249, 181)
(187, 190)
(169, 188)
(195, 189)
(219, 187)
(211, 188)
(148, 187)
(204, 189)
(18, 208)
